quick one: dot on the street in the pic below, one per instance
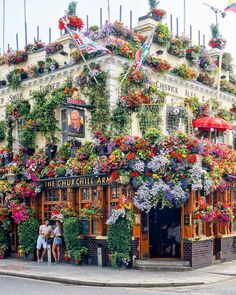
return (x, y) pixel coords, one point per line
(12, 286)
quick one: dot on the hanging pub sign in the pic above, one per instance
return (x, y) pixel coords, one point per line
(75, 122)
(76, 182)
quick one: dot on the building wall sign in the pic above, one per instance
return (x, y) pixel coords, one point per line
(177, 91)
(75, 182)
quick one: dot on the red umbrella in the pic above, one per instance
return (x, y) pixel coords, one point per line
(206, 123)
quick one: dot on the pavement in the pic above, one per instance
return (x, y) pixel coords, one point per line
(90, 275)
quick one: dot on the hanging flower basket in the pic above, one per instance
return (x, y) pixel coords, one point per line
(124, 179)
(72, 22)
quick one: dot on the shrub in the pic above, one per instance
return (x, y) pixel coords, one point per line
(73, 240)
(4, 240)
(28, 233)
(120, 240)
(162, 35)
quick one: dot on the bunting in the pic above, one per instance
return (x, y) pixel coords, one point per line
(231, 6)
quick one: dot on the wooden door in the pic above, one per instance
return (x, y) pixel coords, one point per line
(144, 240)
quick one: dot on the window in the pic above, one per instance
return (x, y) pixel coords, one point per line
(88, 198)
(176, 118)
(51, 198)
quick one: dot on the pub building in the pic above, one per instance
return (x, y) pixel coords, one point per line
(198, 245)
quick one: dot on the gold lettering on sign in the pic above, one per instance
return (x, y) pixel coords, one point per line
(99, 180)
(59, 183)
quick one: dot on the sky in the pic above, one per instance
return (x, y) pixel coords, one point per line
(45, 14)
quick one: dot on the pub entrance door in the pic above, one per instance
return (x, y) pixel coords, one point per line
(161, 233)
(165, 233)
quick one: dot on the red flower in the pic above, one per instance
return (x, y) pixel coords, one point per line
(114, 175)
(131, 156)
(134, 174)
(74, 21)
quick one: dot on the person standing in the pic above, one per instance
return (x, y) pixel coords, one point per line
(57, 241)
(44, 231)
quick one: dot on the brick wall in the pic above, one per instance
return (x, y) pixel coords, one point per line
(199, 253)
(227, 248)
(92, 245)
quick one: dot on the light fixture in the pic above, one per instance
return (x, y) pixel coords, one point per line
(212, 129)
(11, 178)
(62, 52)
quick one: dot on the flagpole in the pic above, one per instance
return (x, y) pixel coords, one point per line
(126, 74)
(109, 12)
(90, 70)
(25, 23)
(184, 17)
(3, 26)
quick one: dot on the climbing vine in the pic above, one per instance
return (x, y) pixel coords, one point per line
(140, 96)
(98, 96)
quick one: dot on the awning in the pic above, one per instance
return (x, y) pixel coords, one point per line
(208, 123)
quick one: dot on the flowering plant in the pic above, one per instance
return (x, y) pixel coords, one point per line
(73, 21)
(204, 211)
(184, 72)
(216, 41)
(90, 211)
(205, 79)
(193, 53)
(34, 165)
(53, 47)
(25, 189)
(225, 213)
(158, 14)
(207, 63)
(162, 35)
(120, 47)
(176, 47)
(31, 48)
(16, 57)
(158, 65)
(19, 211)
(228, 87)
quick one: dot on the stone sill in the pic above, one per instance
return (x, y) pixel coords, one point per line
(226, 236)
(198, 239)
(104, 237)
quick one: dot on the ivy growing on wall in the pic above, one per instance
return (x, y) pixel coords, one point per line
(98, 96)
(138, 95)
(2, 130)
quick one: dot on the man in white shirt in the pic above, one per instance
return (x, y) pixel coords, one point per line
(44, 231)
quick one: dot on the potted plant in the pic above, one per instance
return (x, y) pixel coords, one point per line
(51, 64)
(41, 66)
(162, 35)
(193, 53)
(16, 57)
(205, 79)
(53, 47)
(34, 47)
(176, 47)
(184, 72)
(28, 233)
(216, 39)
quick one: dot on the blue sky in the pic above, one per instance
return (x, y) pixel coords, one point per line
(46, 13)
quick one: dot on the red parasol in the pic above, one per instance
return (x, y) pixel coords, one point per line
(206, 123)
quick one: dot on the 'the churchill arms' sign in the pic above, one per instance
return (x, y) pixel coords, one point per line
(76, 182)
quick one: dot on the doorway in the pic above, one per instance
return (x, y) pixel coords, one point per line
(164, 233)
